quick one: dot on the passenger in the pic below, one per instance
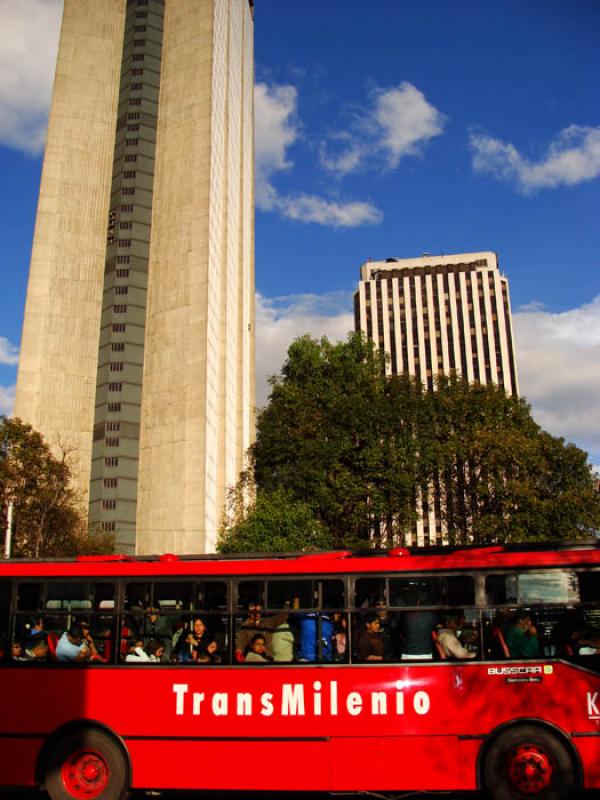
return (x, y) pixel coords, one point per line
(36, 648)
(389, 630)
(209, 653)
(340, 636)
(151, 653)
(16, 652)
(256, 651)
(416, 628)
(282, 643)
(522, 639)
(447, 637)
(316, 637)
(156, 626)
(370, 643)
(191, 643)
(35, 625)
(256, 623)
(72, 646)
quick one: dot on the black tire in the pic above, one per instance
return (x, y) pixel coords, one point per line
(528, 762)
(86, 764)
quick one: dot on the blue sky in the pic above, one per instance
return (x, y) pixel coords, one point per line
(387, 128)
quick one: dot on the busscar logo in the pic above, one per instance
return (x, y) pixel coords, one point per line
(533, 670)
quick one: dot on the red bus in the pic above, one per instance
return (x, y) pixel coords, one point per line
(438, 669)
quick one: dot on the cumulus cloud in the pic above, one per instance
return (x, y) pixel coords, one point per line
(29, 31)
(558, 356)
(277, 128)
(396, 123)
(7, 399)
(572, 157)
(9, 354)
(280, 320)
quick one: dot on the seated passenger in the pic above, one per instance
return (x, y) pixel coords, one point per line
(256, 623)
(208, 652)
(416, 628)
(522, 639)
(16, 652)
(191, 643)
(447, 637)
(36, 648)
(340, 636)
(256, 651)
(151, 653)
(370, 642)
(282, 643)
(73, 646)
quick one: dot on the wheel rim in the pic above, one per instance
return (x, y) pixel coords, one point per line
(530, 769)
(85, 774)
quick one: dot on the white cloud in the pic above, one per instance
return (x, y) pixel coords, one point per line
(573, 157)
(280, 320)
(396, 124)
(9, 354)
(277, 128)
(29, 31)
(7, 399)
(558, 356)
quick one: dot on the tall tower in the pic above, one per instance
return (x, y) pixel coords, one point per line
(433, 315)
(138, 341)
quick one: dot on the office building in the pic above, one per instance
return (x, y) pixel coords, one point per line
(138, 341)
(437, 314)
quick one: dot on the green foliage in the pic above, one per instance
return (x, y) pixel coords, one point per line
(47, 520)
(276, 523)
(354, 447)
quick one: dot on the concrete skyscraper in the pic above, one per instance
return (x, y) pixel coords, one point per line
(433, 315)
(138, 342)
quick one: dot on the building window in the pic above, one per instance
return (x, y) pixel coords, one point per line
(109, 526)
(137, 57)
(119, 327)
(135, 101)
(123, 242)
(122, 260)
(109, 504)
(141, 14)
(113, 407)
(125, 226)
(126, 210)
(113, 426)
(122, 273)
(116, 366)
(120, 309)
(110, 483)
(131, 157)
(131, 142)
(140, 28)
(128, 190)
(111, 461)
(134, 115)
(137, 71)
(121, 289)
(136, 87)
(129, 173)
(115, 387)
(139, 42)
(112, 441)
(118, 347)
(133, 128)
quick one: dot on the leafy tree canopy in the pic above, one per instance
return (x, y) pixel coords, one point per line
(355, 446)
(47, 520)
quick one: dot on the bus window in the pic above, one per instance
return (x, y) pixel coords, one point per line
(284, 594)
(447, 590)
(533, 588)
(367, 591)
(4, 609)
(589, 587)
(211, 596)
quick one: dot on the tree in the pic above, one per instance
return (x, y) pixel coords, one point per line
(357, 447)
(47, 520)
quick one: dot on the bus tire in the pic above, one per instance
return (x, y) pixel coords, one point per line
(88, 764)
(528, 761)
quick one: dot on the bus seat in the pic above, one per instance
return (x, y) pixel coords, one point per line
(52, 644)
(501, 641)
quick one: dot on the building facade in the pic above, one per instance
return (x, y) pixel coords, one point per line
(138, 342)
(434, 315)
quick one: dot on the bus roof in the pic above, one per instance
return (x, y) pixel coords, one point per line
(331, 562)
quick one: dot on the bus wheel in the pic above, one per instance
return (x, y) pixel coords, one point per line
(86, 765)
(528, 762)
